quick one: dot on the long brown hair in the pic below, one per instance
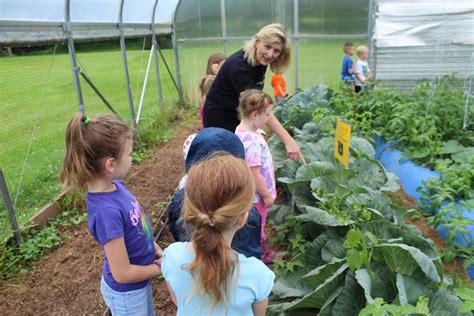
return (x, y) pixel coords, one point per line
(88, 142)
(215, 58)
(219, 190)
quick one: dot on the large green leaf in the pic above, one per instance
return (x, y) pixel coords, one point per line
(291, 285)
(327, 306)
(333, 249)
(278, 151)
(315, 169)
(322, 217)
(444, 303)
(351, 300)
(320, 295)
(317, 276)
(362, 145)
(392, 184)
(409, 289)
(278, 213)
(406, 259)
(369, 173)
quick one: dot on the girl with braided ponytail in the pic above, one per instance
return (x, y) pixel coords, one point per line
(98, 157)
(205, 276)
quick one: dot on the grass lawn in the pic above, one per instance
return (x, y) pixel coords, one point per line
(38, 97)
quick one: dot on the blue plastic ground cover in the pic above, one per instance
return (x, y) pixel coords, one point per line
(411, 177)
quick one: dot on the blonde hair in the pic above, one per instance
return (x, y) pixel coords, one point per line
(253, 100)
(361, 49)
(205, 84)
(88, 142)
(270, 34)
(218, 191)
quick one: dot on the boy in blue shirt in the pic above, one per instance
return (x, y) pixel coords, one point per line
(347, 73)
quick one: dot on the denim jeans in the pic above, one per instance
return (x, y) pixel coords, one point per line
(131, 303)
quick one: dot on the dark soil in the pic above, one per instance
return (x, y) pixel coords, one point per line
(67, 280)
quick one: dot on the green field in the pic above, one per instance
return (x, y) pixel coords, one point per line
(38, 97)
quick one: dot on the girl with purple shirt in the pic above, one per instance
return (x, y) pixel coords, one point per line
(98, 157)
(255, 108)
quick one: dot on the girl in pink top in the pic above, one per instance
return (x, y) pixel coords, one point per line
(255, 107)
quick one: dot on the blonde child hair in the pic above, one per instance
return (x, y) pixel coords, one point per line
(219, 190)
(270, 34)
(252, 100)
(362, 49)
(88, 142)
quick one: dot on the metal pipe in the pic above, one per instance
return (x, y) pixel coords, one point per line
(296, 43)
(373, 4)
(125, 67)
(9, 207)
(155, 55)
(72, 55)
(224, 25)
(176, 56)
(100, 95)
(142, 98)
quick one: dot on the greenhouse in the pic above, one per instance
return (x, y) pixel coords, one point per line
(370, 210)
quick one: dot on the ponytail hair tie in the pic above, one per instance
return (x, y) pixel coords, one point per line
(86, 121)
(211, 222)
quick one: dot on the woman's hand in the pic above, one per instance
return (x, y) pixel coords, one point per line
(293, 150)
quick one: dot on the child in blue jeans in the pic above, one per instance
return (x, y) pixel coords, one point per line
(347, 72)
(98, 157)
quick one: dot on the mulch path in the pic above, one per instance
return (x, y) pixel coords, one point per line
(66, 281)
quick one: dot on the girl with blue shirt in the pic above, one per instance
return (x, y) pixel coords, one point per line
(205, 276)
(98, 157)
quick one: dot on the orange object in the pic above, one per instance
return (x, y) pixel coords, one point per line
(279, 85)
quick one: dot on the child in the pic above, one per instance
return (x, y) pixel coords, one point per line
(208, 141)
(361, 70)
(204, 87)
(255, 107)
(279, 87)
(347, 73)
(205, 276)
(214, 63)
(98, 156)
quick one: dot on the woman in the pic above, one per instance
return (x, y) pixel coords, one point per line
(244, 70)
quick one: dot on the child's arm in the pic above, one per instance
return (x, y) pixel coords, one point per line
(262, 186)
(122, 270)
(281, 90)
(259, 308)
(173, 296)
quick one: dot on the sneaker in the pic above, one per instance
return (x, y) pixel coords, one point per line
(268, 255)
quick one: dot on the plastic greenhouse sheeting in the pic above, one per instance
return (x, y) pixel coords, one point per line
(29, 21)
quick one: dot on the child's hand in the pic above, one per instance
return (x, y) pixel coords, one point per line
(268, 201)
(158, 251)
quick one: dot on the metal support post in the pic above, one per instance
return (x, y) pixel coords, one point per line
(224, 25)
(10, 210)
(296, 43)
(125, 67)
(72, 55)
(154, 47)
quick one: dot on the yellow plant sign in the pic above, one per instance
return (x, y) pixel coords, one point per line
(342, 142)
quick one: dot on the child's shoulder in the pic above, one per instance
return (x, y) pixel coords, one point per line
(254, 266)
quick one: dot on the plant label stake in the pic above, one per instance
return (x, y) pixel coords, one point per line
(342, 142)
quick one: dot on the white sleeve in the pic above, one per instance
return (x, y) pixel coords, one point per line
(359, 70)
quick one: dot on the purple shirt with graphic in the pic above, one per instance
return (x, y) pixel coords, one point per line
(117, 214)
(257, 154)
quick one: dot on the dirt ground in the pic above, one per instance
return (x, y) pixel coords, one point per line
(66, 282)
